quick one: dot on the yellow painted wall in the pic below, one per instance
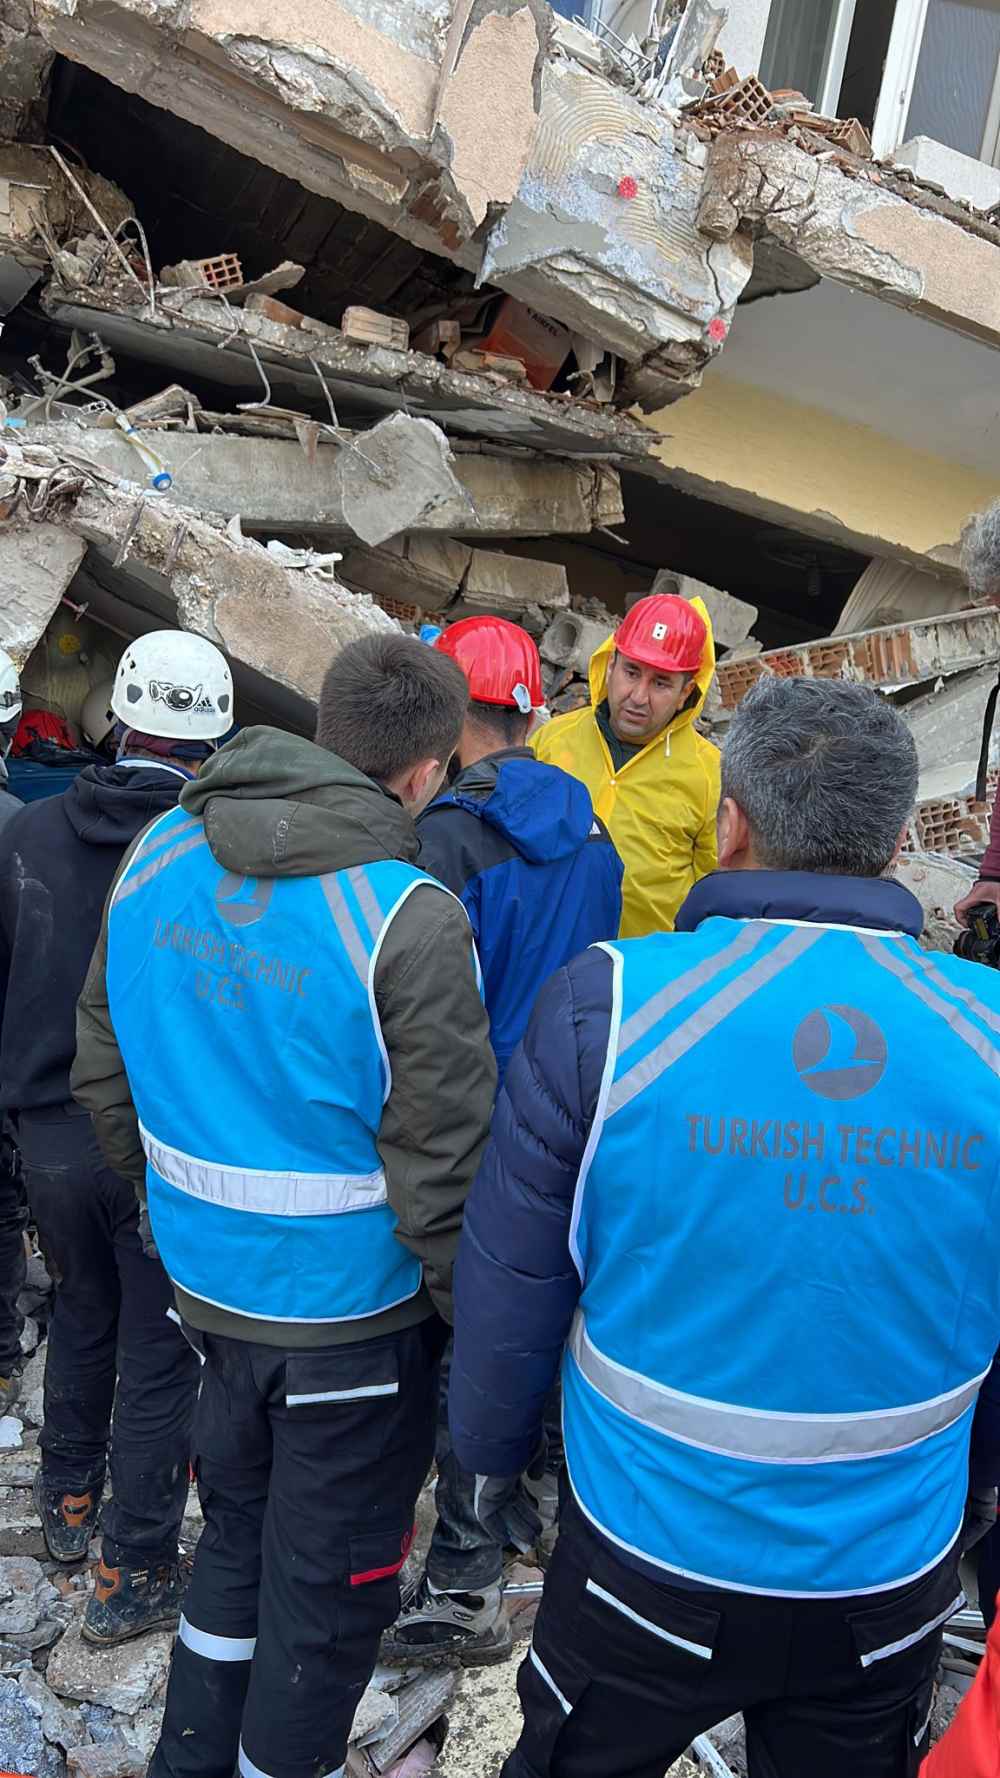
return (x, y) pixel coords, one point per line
(733, 438)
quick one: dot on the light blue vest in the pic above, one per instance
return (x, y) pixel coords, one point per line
(787, 1232)
(245, 1013)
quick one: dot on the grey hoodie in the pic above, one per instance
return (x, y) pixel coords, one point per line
(275, 806)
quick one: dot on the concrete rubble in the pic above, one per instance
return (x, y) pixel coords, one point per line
(226, 446)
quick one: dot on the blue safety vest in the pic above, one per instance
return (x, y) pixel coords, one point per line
(245, 1013)
(787, 1233)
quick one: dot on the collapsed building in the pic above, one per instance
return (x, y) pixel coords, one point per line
(374, 314)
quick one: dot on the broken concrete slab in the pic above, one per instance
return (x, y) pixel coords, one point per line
(732, 618)
(375, 106)
(902, 654)
(192, 339)
(854, 230)
(123, 1678)
(947, 725)
(37, 563)
(423, 571)
(352, 108)
(284, 624)
(275, 486)
(623, 265)
(498, 582)
(395, 478)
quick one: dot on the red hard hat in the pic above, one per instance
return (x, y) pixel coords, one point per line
(499, 660)
(663, 631)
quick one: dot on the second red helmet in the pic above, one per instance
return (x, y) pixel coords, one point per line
(499, 660)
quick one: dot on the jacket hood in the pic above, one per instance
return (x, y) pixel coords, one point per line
(598, 672)
(109, 805)
(275, 805)
(544, 812)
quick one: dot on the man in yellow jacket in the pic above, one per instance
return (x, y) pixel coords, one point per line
(653, 779)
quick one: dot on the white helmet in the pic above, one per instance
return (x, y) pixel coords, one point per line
(174, 684)
(97, 718)
(10, 690)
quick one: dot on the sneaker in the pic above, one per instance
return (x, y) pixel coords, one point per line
(436, 1629)
(68, 1520)
(10, 1389)
(127, 1602)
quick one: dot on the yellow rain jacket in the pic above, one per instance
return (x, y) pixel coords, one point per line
(659, 809)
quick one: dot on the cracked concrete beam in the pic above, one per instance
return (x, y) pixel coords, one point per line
(631, 271)
(283, 623)
(380, 107)
(37, 563)
(274, 486)
(353, 98)
(853, 231)
(216, 348)
(424, 571)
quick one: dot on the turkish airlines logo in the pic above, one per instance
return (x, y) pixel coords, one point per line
(839, 1053)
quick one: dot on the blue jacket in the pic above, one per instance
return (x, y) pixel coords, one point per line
(779, 1326)
(537, 873)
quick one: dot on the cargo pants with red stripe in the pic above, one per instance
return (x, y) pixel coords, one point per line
(308, 1465)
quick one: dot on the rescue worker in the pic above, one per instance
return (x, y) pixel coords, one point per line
(173, 696)
(653, 779)
(310, 1078)
(13, 1212)
(517, 841)
(746, 1174)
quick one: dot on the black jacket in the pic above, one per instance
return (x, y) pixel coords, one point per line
(57, 859)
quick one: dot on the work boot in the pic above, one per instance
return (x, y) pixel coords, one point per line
(126, 1602)
(10, 1388)
(438, 1629)
(68, 1520)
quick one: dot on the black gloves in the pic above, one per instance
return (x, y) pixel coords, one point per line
(507, 1506)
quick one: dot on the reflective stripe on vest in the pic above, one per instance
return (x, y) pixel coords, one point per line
(771, 1154)
(267, 1193)
(757, 1436)
(260, 1115)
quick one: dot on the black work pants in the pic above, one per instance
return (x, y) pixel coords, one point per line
(309, 1464)
(624, 1672)
(109, 1323)
(463, 1557)
(13, 1217)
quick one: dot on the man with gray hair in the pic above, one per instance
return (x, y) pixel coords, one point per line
(745, 1174)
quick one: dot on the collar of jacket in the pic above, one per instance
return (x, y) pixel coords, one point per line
(874, 903)
(276, 805)
(480, 779)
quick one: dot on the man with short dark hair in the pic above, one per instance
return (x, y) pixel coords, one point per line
(746, 1174)
(309, 1088)
(518, 842)
(653, 778)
